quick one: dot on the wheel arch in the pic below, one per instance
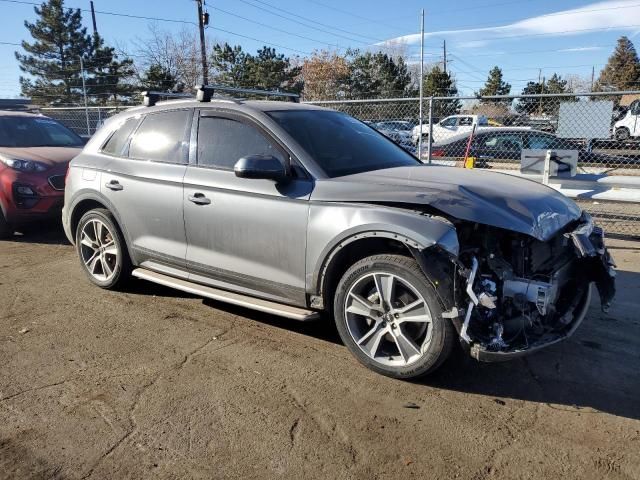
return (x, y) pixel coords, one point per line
(90, 200)
(350, 248)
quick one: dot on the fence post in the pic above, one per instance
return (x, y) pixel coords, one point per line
(430, 139)
(84, 92)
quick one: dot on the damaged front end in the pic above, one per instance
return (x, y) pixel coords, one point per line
(519, 294)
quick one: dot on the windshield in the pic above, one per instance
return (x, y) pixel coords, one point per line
(25, 132)
(340, 144)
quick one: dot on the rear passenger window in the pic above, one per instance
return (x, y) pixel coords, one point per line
(222, 142)
(163, 137)
(119, 139)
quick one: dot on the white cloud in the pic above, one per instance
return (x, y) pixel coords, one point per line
(610, 14)
(581, 49)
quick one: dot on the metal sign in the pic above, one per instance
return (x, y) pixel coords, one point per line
(562, 163)
(585, 119)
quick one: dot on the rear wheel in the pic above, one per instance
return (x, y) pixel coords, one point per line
(102, 249)
(622, 134)
(388, 315)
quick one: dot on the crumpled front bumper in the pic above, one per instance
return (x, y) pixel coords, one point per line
(599, 268)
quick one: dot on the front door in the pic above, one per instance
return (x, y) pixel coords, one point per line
(143, 182)
(247, 235)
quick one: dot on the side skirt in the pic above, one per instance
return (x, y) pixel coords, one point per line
(258, 304)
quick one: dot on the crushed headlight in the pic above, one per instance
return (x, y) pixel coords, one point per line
(23, 165)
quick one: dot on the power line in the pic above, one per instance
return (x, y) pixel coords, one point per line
(310, 21)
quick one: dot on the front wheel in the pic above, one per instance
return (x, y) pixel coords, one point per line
(102, 249)
(389, 317)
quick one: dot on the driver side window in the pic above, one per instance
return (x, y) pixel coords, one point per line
(223, 141)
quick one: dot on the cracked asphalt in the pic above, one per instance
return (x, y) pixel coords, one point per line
(153, 383)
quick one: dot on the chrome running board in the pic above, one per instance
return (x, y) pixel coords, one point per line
(288, 311)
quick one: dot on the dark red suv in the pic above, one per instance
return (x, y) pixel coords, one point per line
(34, 154)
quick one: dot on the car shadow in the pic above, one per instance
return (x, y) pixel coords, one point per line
(595, 370)
(48, 232)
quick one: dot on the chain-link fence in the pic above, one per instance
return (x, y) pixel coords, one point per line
(589, 135)
(596, 134)
(83, 121)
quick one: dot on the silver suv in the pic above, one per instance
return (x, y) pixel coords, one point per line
(296, 210)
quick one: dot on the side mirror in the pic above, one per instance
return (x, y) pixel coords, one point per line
(265, 167)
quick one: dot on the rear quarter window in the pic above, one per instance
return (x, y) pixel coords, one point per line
(116, 143)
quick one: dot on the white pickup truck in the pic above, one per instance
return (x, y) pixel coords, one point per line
(628, 126)
(449, 126)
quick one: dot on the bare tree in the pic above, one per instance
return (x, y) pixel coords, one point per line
(177, 53)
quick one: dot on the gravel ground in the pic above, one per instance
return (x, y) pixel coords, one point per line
(153, 383)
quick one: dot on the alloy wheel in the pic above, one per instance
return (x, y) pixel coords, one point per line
(388, 319)
(98, 250)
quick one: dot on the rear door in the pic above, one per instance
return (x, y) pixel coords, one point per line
(248, 235)
(143, 181)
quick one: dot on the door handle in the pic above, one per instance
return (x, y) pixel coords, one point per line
(199, 199)
(113, 185)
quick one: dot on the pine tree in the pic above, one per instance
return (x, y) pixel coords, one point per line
(495, 85)
(622, 71)
(53, 58)
(157, 78)
(377, 75)
(108, 74)
(544, 105)
(438, 83)
(229, 65)
(272, 71)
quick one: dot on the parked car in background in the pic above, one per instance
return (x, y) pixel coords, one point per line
(294, 209)
(397, 130)
(449, 127)
(628, 127)
(505, 144)
(34, 155)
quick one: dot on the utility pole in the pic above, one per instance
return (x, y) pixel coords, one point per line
(84, 92)
(203, 18)
(93, 18)
(421, 115)
(444, 54)
(593, 75)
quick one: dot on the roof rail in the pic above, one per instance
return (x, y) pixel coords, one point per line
(204, 93)
(150, 97)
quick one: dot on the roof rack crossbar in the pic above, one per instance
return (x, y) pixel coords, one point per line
(150, 98)
(204, 93)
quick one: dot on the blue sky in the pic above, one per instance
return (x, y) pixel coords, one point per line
(521, 36)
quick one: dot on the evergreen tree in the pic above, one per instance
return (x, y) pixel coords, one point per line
(229, 65)
(108, 75)
(269, 70)
(544, 106)
(377, 75)
(438, 83)
(622, 71)
(495, 85)
(53, 58)
(157, 78)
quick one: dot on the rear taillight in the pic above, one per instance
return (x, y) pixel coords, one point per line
(66, 175)
(437, 152)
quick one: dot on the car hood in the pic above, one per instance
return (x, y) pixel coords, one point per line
(495, 199)
(50, 156)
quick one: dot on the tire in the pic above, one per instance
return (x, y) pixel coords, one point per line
(102, 249)
(623, 134)
(5, 229)
(367, 325)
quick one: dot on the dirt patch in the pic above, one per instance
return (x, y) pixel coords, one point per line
(152, 383)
